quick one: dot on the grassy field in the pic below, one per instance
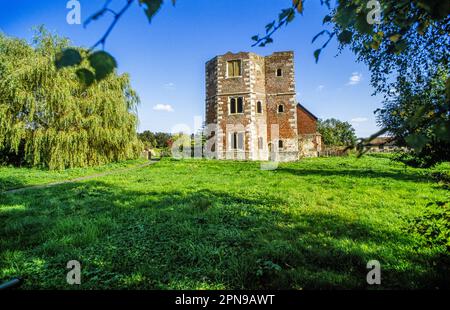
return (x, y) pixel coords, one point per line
(12, 178)
(199, 224)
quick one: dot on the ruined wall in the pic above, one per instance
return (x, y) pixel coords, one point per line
(259, 82)
(281, 90)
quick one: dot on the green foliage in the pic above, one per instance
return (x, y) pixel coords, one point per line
(160, 140)
(151, 7)
(407, 54)
(49, 119)
(103, 64)
(419, 116)
(202, 224)
(433, 227)
(68, 57)
(336, 133)
(407, 47)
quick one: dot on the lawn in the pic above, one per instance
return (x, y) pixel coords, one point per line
(198, 224)
(12, 178)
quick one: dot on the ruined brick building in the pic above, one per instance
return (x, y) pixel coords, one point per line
(252, 100)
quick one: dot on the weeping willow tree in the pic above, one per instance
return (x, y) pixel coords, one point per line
(49, 119)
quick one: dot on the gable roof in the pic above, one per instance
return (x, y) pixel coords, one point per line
(307, 111)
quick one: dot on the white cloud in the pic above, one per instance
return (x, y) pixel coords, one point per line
(355, 78)
(169, 86)
(359, 119)
(320, 87)
(163, 107)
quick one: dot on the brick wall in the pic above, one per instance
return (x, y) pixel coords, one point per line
(306, 123)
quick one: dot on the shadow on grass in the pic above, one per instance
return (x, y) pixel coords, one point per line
(9, 183)
(196, 239)
(360, 173)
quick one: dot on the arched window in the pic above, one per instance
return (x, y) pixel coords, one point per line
(232, 106)
(236, 105)
(279, 72)
(280, 144)
(240, 105)
(280, 108)
(259, 107)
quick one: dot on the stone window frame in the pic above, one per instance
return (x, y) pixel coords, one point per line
(278, 108)
(280, 144)
(231, 141)
(281, 72)
(259, 107)
(227, 76)
(229, 105)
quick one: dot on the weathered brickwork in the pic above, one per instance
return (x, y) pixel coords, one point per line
(269, 120)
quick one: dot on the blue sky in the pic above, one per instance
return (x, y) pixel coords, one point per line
(166, 58)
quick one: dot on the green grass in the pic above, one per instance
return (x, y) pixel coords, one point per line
(13, 178)
(199, 224)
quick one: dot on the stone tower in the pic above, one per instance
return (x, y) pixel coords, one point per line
(251, 101)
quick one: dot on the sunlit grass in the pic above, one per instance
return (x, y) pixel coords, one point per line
(200, 224)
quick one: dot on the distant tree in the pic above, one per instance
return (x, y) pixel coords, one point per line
(159, 140)
(47, 118)
(148, 139)
(163, 139)
(336, 133)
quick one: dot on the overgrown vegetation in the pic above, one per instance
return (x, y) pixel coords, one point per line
(48, 119)
(199, 224)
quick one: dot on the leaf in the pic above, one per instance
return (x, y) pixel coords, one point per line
(362, 25)
(318, 35)
(151, 7)
(377, 38)
(298, 4)
(255, 38)
(395, 37)
(85, 76)
(270, 26)
(103, 64)
(68, 58)
(345, 15)
(345, 37)
(285, 13)
(290, 17)
(317, 54)
(326, 19)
